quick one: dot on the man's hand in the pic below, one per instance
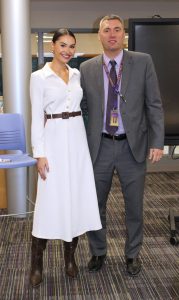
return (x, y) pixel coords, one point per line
(155, 155)
(42, 167)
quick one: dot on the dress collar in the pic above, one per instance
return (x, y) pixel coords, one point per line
(47, 71)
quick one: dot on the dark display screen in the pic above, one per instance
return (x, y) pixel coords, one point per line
(160, 38)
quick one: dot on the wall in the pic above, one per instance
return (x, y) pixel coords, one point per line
(84, 14)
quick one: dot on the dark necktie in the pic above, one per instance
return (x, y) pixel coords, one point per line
(112, 99)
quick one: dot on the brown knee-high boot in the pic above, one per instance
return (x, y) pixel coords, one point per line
(69, 252)
(38, 245)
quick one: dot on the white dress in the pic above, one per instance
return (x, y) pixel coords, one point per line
(66, 203)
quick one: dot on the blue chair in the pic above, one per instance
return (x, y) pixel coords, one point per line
(12, 137)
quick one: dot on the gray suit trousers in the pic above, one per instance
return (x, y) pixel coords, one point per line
(117, 155)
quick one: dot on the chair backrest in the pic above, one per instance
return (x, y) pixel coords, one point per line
(12, 132)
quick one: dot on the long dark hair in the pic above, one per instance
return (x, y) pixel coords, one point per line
(61, 32)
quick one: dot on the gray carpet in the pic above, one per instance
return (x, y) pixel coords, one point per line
(159, 278)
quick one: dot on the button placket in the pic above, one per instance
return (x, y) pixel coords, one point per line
(68, 99)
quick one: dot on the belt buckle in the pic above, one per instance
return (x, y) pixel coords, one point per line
(65, 115)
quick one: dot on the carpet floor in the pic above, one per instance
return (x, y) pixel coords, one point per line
(159, 278)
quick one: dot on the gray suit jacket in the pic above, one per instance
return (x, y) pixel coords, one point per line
(140, 105)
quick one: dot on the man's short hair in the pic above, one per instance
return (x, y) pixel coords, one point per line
(111, 17)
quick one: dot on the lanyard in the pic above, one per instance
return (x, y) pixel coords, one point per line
(114, 86)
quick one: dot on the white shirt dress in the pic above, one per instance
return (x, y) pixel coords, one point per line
(66, 203)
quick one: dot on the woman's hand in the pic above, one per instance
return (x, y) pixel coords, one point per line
(42, 167)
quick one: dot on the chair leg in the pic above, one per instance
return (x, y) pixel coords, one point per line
(69, 255)
(38, 245)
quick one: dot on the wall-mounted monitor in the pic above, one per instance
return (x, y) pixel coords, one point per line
(160, 38)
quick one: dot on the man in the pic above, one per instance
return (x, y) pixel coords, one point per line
(121, 134)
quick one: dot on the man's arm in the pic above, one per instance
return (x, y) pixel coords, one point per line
(84, 105)
(154, 111)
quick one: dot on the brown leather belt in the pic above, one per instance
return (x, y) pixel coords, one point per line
(64, 115)
(114, 137)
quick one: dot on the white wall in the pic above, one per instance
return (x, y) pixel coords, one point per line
(83, 14)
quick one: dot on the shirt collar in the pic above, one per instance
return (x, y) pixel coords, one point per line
(118, 59)
(47, 71)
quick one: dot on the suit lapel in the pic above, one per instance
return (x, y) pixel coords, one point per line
(99, 80)
(127, 64)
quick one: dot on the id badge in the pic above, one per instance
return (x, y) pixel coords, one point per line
(114, 118)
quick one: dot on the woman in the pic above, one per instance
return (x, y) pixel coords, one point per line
(66, 203)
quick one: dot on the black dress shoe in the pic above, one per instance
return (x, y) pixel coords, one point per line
(133, 266)
(95, 263)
